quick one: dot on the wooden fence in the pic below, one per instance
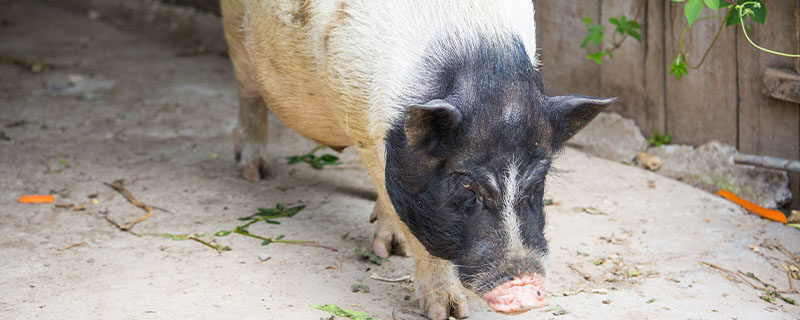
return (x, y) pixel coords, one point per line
(722, 100)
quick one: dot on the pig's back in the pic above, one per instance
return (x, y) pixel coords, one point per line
(361, 61)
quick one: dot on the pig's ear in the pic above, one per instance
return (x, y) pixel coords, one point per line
(427, 125)
(573, 112)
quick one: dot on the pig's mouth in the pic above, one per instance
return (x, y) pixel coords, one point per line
(518, 295)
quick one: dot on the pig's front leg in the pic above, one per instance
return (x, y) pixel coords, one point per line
(438, 289)
(389, 237)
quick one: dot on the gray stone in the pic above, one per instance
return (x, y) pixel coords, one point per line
(710, 167)
(610, 136)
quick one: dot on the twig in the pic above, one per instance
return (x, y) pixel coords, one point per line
(375, 276)
(117, 185)
(783, 250)
(205, 243)
(78, 244)
(738, 274)
(218, 248)
(585, 276)
(116, 225)
(733, 273)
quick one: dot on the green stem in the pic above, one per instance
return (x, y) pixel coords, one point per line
(716, 37)
(744, 30)
(203, 242)
(271, 240)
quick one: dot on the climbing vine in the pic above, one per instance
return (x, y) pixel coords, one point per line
(736, 12)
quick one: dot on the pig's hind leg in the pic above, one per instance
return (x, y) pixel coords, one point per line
(250, 137)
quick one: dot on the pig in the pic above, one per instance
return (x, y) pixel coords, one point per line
(446, 108)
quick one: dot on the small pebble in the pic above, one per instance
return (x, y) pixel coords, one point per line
(263, 257)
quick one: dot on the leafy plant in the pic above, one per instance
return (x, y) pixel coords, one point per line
(622, 29)
(267, 215)
(197, 237)
(316, 162)
(337, 311)
(737, 11)
(366, 255)
(658, 139)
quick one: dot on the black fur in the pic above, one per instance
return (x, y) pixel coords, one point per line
(426, 184)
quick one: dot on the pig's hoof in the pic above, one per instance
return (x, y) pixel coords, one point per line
(442, 304)
(253, 162)
(256, 169)
(389, 239)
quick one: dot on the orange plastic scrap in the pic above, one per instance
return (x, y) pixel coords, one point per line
(37, 198)
(761, 211)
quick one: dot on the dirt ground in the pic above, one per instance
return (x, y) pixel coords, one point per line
(120, 106)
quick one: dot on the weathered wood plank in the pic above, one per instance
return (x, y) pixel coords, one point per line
(635, 74)
(701, 106)
(559, 32)
(782, 85)
(768, 126)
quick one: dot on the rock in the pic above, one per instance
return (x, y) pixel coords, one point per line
(649, 161)
(610, 136)
(263, 257)
(710, 167)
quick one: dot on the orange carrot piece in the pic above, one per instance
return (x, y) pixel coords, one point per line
(37, 198)
(761, 211)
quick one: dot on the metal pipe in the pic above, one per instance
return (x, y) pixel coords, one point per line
(767, 162)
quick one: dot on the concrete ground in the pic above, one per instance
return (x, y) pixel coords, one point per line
(120, 106)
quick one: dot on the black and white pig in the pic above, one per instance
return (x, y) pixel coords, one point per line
(444, 103)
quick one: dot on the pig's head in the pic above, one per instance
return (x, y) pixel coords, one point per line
(466, 170)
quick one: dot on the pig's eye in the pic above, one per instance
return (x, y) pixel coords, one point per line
(467, 185)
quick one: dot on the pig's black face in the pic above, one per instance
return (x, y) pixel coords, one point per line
(466, 171)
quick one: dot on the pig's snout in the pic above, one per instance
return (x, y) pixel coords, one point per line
(518, 295)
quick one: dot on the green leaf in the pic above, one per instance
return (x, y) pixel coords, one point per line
(597, 57)
(692, 10)
(679, 67)
(263, 212)
(222, 233)
(294, 210)
(337, 311)
(758, 14)
(329, 158)
(271, 221)
(279, 237)
(794, 225)
(713, 4)
(635, 34)
(366, 255)
(587, 22)
(595, 36)
(316, 164)
(266, 242)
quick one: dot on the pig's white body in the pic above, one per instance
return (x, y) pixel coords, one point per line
(341, 73)
(364, 56)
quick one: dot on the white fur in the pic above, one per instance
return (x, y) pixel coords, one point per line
(514, 244)
(378, 52)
